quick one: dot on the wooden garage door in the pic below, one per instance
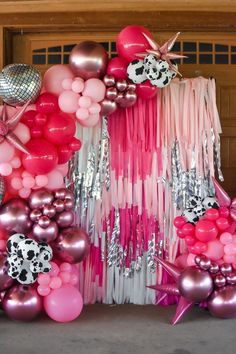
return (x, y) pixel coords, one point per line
(209, 55)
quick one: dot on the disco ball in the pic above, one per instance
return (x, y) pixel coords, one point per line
(19, 83)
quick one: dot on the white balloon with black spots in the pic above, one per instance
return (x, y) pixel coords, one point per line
(210, 202)
(162, 66)
(190, 216)
(13, 272)
(28, 250)
(150, 60)
(13, 241)
(153, 74)
(15, 261)
(162, 80)
(194, 201)
(40, 267)
(44, 249)
(136, 71)
(26, 276)
(199, 210)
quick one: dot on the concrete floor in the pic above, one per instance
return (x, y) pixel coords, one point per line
(122, 329)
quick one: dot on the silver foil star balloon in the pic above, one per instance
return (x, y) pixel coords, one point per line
(19, 83)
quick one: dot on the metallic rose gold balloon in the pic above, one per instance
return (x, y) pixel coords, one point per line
(60, 193)
(72, 245)
(231, 278)
(47, 234)
(35, 215)
(226, 269)
(111, 93)
(131, 87)
(109, 80)
(59, 205)
(65, 219)
(88, 59)
(49, 210)
(195, 284)
(22, 303)
(108, 107)
(219, 281)
(69, 195)
(130, 98)
(44, 221)
(198, 258)
(214, 268)
(14, 216)
(68, 204)
(39, 198)
(5, 281)
(222, 302)
(205, 264)
(120, 98)
(121, 85)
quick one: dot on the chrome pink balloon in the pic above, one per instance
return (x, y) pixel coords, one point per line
(14, 216)
(226, 269)
(5, 281)
(109, 80)
(72, 245)
(194, 284)
(219, 281)
(69, 195)
(68, 204)
(60, 193)
(222, 302)
(88, 59)
(59, 205)
(214, 268)
(49, 210)
(35, 215)
(39, 198)
(47, 234)
(121, 85)
(129, 99)
(111, 93)
(231, 278)
(65, 219)
(44, 221)
(205, 264)
(131, 86)
(22, 303)
(108, 107)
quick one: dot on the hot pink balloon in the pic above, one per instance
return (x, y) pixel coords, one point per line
(88, 59)
(72, 245)
(22, 303)
(64, 304)
(117, 67)
(60, 128)
(54, 76)
(131, 41)
(47, 103)
(146, 90)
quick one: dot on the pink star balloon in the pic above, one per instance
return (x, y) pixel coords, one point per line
(163, 52)
(7, 125)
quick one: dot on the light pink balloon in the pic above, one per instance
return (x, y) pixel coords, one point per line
(54, 76)
(55, 282)
(5, 169)
(63, 169)
(43, 279)
(77, 85)
(64, 304)
(215, 250)
(82, 113)
(67, 84)
(16, 183)
(91, 121)
(95, 89)
(66, 267)
(95, 108)
(65, 277)
(24, 193)
(191, 259)
(55, 180)
(7, 152)
(229, 258)
(15, 162)
(28, 182)
(226, 238)
(230, 249)
(85, 102)
(43, 290)
(22, 132)
(41, 180)
(54, 269)
(68, 101)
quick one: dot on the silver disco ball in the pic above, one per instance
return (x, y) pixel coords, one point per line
(19, 83)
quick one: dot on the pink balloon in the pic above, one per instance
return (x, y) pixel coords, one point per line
(64, 304)
(65, 277)
(43, 279)
(28, 182)
(117, 67)
(95, 108)
(55, 283)
(7, 152)
(229, 258)
(191, 260)
(63, 169)
(24, 193)
(74, 279)
(77, 85)
(54, 76)
(43, 290)
(66, 267)
(226, 238)
(68, 101)
(5, 169)
(95, 89)
(85, 102)
(22, 132)
(181, 261)
(215, 250)
(54, 269)
(55, 180)
(15, 162)
(16, 183)
(206, 230)
(82, 113)
(230, 248)
(92, 120)
(131, 41)
(41, 180)
(67, 83)
(146, 90)
(47, 103)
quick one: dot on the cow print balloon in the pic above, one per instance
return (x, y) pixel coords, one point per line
(150, 60)
(136, 71)
(13, 241)
(44, 247)
(199, 210)
(162, 66)
(210, 202)
(162, 80)
(15, 261)
(191, 216)
(194, 201)
(26, 276)
(40, 267)
(28, 250)
(13, 272)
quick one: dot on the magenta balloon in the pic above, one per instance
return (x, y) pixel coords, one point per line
(131, 41)
(146, 90)
(88, 59)
(108, 107)
(195, 284)
(65, 219)
(14, 216)
(49, 210)
(44, 221)
(5, 281)
(121, 85)
(109, 80)
(72, 245)
(117, 67)
(222, 302)
(47, 234)
(22, 303)
(39, 198)
(111, 93)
